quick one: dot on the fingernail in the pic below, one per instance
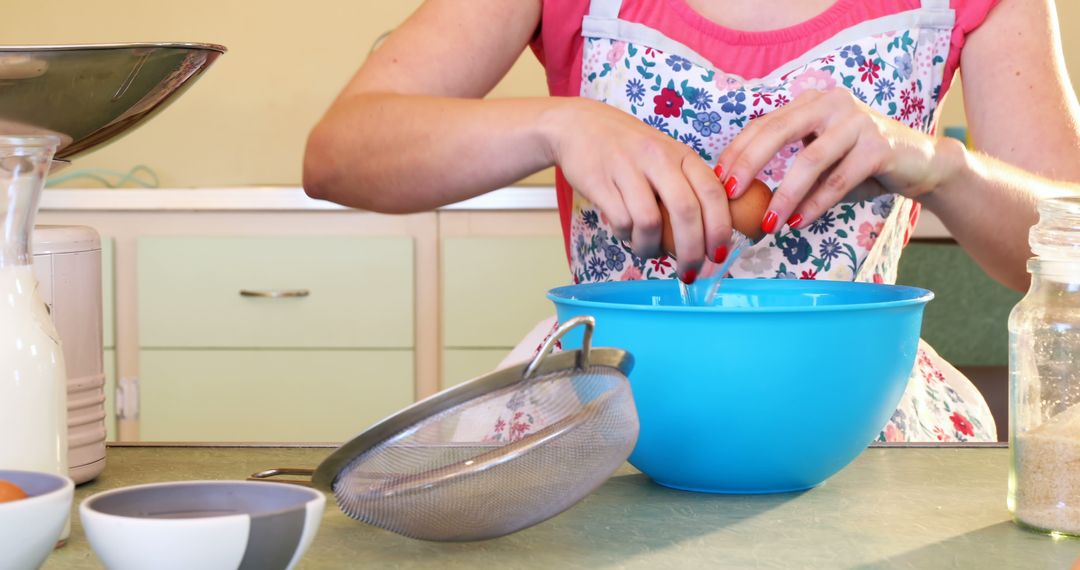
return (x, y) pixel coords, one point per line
(768, 224)
(719, 170)
(721, 254)
(690, 276)
(794, 221)
(730, 185)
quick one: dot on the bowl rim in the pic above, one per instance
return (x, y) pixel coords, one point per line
(87, 505)
(122, 45)
(30, 141)
(919, 296)
(67, 487)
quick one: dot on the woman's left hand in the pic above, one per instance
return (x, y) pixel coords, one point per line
(846, 143)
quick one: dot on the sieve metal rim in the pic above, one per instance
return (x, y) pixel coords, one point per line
(544, 364)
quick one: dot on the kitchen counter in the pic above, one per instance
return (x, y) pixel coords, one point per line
(261, 198)
(892, 508)
(283, 198)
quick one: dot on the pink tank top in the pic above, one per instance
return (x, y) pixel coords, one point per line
(558, 42)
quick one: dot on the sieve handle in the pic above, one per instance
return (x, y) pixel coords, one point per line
(586, 344)
(278, 471)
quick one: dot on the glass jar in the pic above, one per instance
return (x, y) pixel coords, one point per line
(33, 382)
(1044, 367)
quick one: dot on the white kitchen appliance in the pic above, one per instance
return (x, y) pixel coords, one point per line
(67, 264)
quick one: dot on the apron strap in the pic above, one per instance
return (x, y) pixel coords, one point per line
(935, 4)
(607, 9)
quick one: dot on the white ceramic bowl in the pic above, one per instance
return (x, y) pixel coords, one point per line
(202, 524)
(30, 527)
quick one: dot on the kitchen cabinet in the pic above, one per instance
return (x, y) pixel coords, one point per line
(269, 395)
(108, 300)
(494, 292)
(461, 364)
(967, 322)
(398, 307)
(262, 338)
(363, 343)
(110, 394)
(108, 336)
(336, 292)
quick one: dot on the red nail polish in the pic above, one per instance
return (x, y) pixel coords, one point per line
(721, 254)
(768, 224)
(730, 185)
(690, 276)
(794, 221)
(719, 170)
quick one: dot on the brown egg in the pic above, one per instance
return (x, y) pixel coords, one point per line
(10, 492)
(746, 214)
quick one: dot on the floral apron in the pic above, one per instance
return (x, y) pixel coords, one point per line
(893, 64)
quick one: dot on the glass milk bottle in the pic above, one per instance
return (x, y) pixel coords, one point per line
(33, 383)
(1044, 363)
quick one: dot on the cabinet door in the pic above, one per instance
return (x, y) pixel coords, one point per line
(107, 295)
(110, 394)
(967, 322)
(461, 364)
(208, 292)
(494, 288)
(269, 396)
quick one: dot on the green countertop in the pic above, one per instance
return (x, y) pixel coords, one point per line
(892, 508)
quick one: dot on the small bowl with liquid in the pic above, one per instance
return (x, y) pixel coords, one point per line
(32, 516)
(203, 524)
(774, 387)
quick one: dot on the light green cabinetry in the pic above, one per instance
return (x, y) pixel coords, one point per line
(356, 292)
(493, 294)
(108, 288)
(320, 363)
(461, 364)
(110, 394)
(967, 322)
(269, 395)
(379, 309)
(108, 320)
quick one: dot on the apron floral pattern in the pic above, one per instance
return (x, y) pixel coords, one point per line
(897, 72)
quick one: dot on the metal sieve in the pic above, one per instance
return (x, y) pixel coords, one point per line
(494, 455)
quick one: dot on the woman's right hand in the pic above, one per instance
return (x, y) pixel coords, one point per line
(623, 166)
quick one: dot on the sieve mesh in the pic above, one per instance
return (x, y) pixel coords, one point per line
(455, 476)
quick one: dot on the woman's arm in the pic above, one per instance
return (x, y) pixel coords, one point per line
(410, 133)
(1023, 115)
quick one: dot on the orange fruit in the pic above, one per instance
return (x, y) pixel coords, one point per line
(10, 492)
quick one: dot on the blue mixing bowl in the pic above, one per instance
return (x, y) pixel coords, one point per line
(775, 388)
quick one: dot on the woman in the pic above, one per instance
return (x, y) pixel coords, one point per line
(830, 102)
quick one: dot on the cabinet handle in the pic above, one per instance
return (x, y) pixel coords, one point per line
(276, 294)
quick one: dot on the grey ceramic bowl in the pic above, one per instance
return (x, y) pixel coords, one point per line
(30, 527)
(203, 524)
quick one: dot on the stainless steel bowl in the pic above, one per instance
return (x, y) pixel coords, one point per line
(89, 95)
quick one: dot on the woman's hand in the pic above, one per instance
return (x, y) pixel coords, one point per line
(846, 143)
(623, 166)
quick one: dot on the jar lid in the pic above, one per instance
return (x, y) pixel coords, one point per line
(49, 240)
(1057, 235)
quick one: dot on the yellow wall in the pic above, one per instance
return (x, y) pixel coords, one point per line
(246, 120)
